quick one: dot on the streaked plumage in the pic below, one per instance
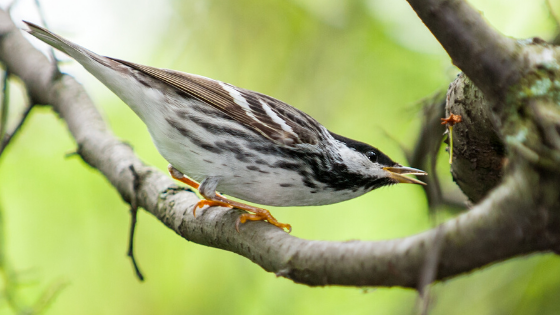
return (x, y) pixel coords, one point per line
(256, 147)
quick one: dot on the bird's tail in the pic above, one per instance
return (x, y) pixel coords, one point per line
(77, 52)
(114, 74)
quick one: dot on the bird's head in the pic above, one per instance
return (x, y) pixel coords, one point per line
(376, 168)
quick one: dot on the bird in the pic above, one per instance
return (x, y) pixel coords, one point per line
(221, 138)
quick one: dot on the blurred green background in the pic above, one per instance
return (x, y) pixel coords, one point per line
(359, 67)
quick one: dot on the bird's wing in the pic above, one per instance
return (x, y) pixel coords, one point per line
(274, 119)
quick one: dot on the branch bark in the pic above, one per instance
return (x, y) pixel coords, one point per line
(477, 143)
(513, 220)
(489, 58)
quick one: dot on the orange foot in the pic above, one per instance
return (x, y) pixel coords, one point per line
(216, 199)
(209, 203)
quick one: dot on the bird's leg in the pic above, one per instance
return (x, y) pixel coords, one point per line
(208, 190)
(176, 174)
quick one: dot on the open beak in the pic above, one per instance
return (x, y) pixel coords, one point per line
(398, 173)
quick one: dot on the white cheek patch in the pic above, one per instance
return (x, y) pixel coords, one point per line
(358, 163)
(378, 170)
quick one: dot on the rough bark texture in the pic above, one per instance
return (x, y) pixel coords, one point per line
(478, 151)
(519, 216)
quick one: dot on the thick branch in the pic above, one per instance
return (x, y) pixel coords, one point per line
(503, 226)
(479, 152)
(488, 58)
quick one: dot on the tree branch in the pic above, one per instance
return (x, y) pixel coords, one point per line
(487, 57)
(483, 150)
(503, 226)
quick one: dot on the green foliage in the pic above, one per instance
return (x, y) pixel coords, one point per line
(336, 60)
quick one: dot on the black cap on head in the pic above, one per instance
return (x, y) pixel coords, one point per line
(374, 154)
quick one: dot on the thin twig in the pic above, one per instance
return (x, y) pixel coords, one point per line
(133, 220)
(5, 104)
(9, 136)
(424, 155)
(44, 22)
(429, 272)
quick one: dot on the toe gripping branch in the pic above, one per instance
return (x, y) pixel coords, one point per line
(207, 190)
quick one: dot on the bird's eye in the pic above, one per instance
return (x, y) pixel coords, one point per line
(372, 156)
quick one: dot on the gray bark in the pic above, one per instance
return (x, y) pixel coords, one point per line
(477, 143)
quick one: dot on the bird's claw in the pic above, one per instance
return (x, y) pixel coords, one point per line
(261, 216)
(210, 203)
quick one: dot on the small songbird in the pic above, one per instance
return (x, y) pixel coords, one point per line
(239, 142)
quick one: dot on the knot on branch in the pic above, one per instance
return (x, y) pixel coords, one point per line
(478, 150)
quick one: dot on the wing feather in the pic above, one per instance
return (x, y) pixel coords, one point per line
(274, 119)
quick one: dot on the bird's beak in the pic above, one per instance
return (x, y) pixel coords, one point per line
(398, 173)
